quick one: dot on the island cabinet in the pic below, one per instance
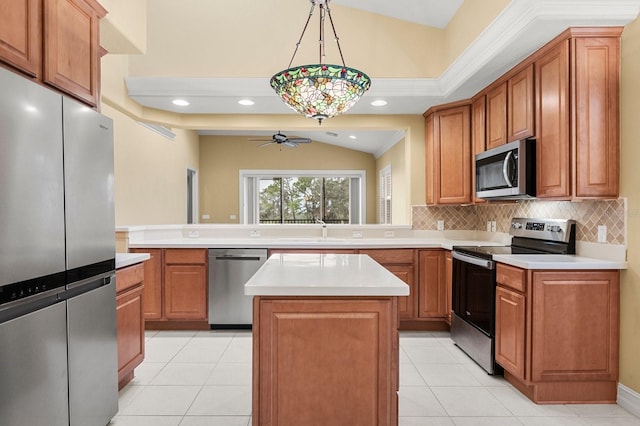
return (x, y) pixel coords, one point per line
(130, 320)
(510, 107)
(448, 154)
(55, 42)
(577, 118)
(557, 333)
(177, 288)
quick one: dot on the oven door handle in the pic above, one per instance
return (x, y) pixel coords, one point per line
(483, 263)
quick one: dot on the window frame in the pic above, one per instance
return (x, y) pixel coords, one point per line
(385, 196)
(248, 185)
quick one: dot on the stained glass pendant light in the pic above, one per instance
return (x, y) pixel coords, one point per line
(320, 90)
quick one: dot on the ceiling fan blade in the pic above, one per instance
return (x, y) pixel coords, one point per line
(299, 140)
(265, 144)
(290, 144)
(260, 140)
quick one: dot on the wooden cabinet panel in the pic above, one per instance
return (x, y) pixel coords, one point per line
(520, 105)
(478, 139)
(390, 256)
(511, 277)
(152, 283)
(497, 116)
(128, 277)
(406, 304)
(575, 323)
(313, 251)
(430, 160)
(130, 331)
(510, 331)
(185, 292)
(348, 349)
(553, 168)
(21, 35)
(71, 47)
(448, 276)
(596, 107)
(453, 155)
(185, 256)
(432, 300)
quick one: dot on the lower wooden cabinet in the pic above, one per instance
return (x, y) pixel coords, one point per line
(432, 298)
(557, 333)
(176, 288)
(130, 320)
(345, 349)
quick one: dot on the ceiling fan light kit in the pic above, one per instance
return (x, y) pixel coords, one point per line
(320, 91)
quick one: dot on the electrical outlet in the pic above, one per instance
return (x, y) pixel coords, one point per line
(254, 234)
(602, 233)
(194, 234)
(232, 217)
(493, 226)
(357, 234)
(441, 225)
(389, 234)
(205, 217)
(488, 226)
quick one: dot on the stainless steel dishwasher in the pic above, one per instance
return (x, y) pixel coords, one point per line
(229, 270)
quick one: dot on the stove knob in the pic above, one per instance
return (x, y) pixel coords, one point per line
(516, 225)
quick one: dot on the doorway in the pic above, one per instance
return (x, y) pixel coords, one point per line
(192, 196)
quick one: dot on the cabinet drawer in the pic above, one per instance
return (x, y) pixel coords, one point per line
(401, 256)
(189, 256)
(129, 277)
(511, 277)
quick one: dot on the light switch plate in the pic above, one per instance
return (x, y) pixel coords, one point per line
(602, 233)
(205, 217)
(488, 226)
(441, 225)
(254, 234)
(493, 226)
(389, 234)
(194, 234)
(357, 234)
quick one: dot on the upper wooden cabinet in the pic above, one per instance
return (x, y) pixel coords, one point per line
(448, 154)
(577, 117)
(21, 35)
(56, 41)
(510, 108)
(478, 138)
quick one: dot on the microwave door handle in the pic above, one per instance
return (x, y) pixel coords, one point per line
(505, 168)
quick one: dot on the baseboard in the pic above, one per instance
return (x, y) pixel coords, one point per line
(629, 399)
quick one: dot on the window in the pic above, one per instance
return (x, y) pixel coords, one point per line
(302, 197)
(385, 195)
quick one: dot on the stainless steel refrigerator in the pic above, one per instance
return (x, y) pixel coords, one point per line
(58, 350)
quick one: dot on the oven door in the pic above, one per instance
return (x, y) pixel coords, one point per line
(474, 289)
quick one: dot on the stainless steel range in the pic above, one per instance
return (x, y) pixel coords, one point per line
(474, 282)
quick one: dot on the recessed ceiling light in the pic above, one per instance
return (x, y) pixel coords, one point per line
(353, 137)
(246, 102)
(180, 102)
(379, 102)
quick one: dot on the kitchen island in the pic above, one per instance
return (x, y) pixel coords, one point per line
(325, 340)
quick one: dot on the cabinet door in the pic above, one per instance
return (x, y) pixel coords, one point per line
(520, 105)
(575, 320)
(21, 35)
(597, 99)
(406, 304)
(510, 331)
(130, 320)
(152, 283)
(497, 116)
(185, 292)
(553, 170)
(71, 47)
(453, 155)
(448, 285)
(478, 139)
(431, 271)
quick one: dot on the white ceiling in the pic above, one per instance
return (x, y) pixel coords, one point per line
(523, 27)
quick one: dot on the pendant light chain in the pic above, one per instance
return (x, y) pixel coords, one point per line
(335, 35)
(313, 6)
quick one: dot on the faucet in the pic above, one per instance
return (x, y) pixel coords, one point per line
(324, 228)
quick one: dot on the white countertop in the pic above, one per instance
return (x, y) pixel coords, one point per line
(324, 275)
(128, 259)
(556, 261)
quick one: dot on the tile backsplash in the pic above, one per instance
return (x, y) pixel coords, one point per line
(588, 215)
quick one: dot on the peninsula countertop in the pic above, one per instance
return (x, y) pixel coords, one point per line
(288, 274)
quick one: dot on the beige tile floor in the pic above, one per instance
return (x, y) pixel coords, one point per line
(204, 378)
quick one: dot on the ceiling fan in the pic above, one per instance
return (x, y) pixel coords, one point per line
(281, 139)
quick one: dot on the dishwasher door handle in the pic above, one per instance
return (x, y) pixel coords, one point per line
(238, 258)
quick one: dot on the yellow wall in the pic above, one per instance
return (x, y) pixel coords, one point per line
(150, 172)
(400, 205)
(630, 176)
(124, 29)
(222, 157)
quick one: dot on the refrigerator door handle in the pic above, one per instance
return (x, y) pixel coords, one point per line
(92, 282)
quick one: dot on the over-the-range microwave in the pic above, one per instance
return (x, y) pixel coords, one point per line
(507, 172)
